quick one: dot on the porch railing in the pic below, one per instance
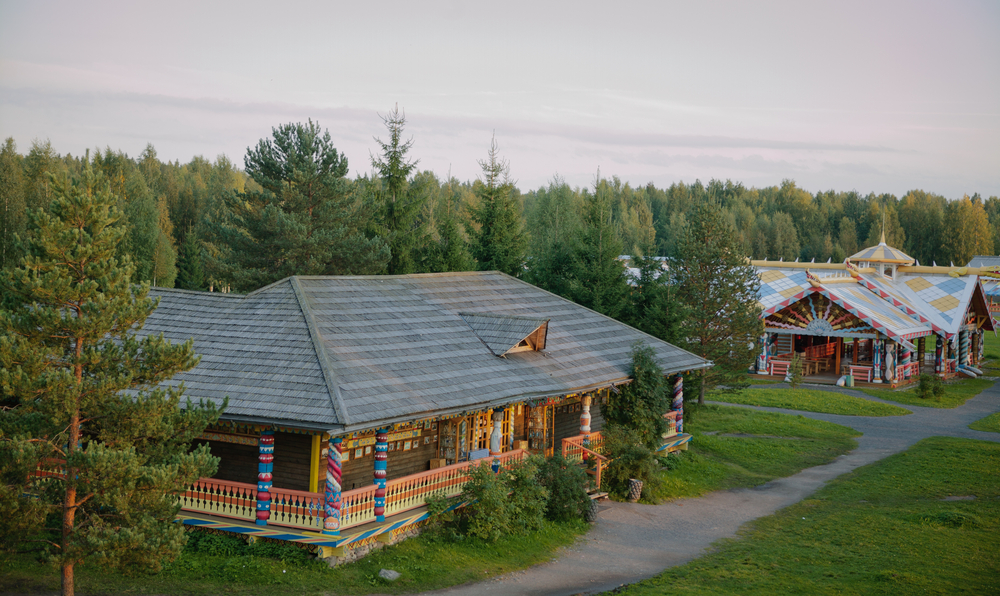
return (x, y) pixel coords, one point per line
(303, 509)
(586, 449)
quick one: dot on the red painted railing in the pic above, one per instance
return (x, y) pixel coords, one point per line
(586, 448)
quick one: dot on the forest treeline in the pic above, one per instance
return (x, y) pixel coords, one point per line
(292, 209)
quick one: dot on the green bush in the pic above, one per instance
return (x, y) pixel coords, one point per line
(930, 386)
(640, 405)
(219, 545)
(631, 459)
(508, 502)
(795, 371)
(567, 486)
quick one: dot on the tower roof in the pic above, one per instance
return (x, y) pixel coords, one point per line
(882, 253)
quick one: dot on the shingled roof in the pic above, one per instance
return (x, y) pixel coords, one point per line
(353, 352)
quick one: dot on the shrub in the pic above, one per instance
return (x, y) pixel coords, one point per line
(507, 502)
(795, 371)
(631, 459)
(219, 545)
(640, 405)
(930, 386)
(566, 484)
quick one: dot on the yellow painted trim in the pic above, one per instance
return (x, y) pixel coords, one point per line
(314, 466)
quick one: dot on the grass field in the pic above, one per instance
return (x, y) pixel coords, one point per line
(885, 528)
(990, 424)
(956, 393)
(809, 400)
(761, 446)
(427, 562)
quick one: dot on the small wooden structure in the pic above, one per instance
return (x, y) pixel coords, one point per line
(352, 399)
(871, 317)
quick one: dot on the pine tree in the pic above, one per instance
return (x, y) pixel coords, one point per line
(500, 241)
(12, 204)
(718, 289)
(397, 212)
(77, 386)
(304, 221)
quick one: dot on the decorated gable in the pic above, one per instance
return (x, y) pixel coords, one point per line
(815, 314)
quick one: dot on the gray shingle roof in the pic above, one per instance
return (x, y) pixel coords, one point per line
(354, 352)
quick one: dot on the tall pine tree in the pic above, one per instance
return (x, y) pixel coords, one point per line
(718, 288)
(77, 386)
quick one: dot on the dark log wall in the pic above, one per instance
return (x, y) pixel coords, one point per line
(567, 421)
(291, 461)
(358, 473)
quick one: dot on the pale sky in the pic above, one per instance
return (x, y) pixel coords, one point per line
(870, 96)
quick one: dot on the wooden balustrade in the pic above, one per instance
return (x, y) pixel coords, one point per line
(303, 509)
(574, 451)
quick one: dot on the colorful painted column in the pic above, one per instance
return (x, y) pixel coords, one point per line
(585, 414)
(890, 361)
(381, 456)
(981, 336)
(938, 355)
(677, 405)
(265, 467)
(905, 361)
(496, 437)
(963, 348)
(331, 521)
(764, 355)
(877, 360)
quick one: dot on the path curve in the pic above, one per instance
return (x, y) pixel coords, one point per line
(632, 542)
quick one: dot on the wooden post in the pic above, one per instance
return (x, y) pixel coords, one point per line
(855, 350)
(877, 360)
(381, 455)
(837, 352)
(314, 462)
(334, 473)
(939, 356)
(265, 468)
(585, 415)
(921, 350)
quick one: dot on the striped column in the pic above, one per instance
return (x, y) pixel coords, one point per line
(981, 336)
(905, 360)
(265, 467)
(877, 361)
(334, 473)
(890, 361)
(381, 457)
(677, 403)
(938, 355)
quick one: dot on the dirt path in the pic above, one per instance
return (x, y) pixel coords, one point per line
(632, 542)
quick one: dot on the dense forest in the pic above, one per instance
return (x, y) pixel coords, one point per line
(292, 209)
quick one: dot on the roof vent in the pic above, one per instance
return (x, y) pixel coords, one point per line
(504, 334)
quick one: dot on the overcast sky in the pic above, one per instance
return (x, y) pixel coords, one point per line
(871, 96)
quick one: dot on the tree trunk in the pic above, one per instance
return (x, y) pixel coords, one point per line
(701, 390)
(69, 508)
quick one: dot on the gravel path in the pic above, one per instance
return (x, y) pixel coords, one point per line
(631, 542)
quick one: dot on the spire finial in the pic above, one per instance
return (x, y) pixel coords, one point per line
(882, 241)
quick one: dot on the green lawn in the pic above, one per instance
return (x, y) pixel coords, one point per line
(769, 446)
(810, 400)
(990, 424)
(882, 529)
(956, 393)
(427, 562)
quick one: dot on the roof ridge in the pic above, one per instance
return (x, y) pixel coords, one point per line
(325, 362)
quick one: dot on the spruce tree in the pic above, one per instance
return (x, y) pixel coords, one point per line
(718, 288)
(12, 203)
(397, 210)
(190, 275)
(500, 241)
(640, 405)
(599, 280)
(79, 397)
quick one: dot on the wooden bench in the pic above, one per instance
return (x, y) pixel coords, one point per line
(780, 367)
(861, 371)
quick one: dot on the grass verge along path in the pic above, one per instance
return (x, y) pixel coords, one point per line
(810, 400)
(925, 521)
(428, 562)
(737, 447)
(956, 393)
(990, 424)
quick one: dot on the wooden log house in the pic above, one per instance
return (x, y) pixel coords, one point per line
(352, 399)
(878, 317)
